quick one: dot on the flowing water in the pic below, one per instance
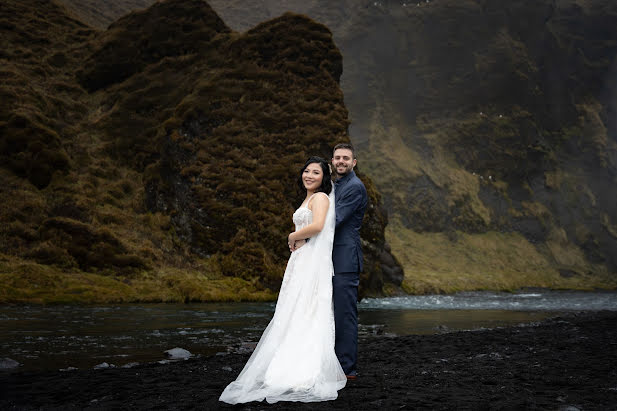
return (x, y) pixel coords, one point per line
(59, 337)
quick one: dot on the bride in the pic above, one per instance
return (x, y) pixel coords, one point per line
(294, 359)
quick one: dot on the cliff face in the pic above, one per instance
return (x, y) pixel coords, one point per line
(489, 127)
(166, 156)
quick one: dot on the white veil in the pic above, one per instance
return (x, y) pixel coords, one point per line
(321, 244)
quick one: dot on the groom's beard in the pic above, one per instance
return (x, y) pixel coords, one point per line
(338, 175)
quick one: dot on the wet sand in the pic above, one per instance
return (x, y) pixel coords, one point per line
(563, 363)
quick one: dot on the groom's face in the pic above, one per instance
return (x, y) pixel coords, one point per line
(343, 161)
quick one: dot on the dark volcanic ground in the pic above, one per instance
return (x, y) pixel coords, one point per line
(565, 363)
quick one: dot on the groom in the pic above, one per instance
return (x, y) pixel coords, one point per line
(350, 202)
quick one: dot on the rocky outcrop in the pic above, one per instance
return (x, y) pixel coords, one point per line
(184, 148)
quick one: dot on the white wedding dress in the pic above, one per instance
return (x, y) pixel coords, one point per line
(294, 359)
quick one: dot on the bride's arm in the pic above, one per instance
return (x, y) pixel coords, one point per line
(319, 207)
(297, 244)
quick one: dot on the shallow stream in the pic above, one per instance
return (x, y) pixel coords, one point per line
(59, 337)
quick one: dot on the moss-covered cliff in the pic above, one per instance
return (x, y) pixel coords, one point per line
(490, 129)
(156, 160)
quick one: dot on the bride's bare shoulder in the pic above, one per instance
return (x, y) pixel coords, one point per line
(319, 200)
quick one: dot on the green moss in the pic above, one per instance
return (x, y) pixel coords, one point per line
(433, 263)
(26, 282)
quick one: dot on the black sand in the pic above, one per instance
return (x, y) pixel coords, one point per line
(563, 363)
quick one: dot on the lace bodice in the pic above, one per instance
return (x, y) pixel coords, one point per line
(302, 217)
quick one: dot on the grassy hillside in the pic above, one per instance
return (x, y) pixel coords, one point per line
(490, 130)
(504, 143)
(156, 160)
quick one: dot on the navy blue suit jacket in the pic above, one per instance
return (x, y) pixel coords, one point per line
(350, 201)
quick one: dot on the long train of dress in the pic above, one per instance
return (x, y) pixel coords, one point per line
(294, 359)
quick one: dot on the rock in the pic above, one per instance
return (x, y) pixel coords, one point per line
(8, 364)
(103, 366)
(246, 348)
(392, 274)
(178, 354)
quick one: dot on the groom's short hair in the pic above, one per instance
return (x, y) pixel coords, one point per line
(347, 146)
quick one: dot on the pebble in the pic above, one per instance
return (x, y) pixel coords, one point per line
(8, 363)
(178, 354)
(103, 366)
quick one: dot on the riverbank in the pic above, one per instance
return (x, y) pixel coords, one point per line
(26, 282)
(560, 362)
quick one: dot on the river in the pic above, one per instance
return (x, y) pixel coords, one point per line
(65, 337)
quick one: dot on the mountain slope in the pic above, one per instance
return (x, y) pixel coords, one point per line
(488, 127)
(174, 144)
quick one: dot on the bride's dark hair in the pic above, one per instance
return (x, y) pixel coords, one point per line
(326, 182)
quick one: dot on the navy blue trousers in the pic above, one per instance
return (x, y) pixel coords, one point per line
(345, 296)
